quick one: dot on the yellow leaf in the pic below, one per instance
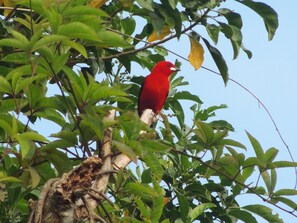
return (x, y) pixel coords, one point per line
(97, 3)
(7, 3)
(154, 36)
(196, 56)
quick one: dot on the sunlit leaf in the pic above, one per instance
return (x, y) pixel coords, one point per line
(196, 56)
(200, 209)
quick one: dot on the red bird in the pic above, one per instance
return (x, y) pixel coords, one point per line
(154, 90)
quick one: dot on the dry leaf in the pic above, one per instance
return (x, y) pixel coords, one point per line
(196, 56)
(153, 37)
(97, 3)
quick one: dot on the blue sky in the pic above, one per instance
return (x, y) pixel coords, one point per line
(270, 75)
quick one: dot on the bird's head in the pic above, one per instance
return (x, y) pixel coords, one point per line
(164, 67)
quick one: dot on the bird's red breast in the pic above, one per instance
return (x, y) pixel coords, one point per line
(155, 87)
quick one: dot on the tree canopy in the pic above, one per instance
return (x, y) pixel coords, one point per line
(69, 64)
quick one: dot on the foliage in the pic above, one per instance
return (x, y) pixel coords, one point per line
(85, 51)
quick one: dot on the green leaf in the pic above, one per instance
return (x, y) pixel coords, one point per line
(243, 215)
(231, 142)
(256, 146)
(94, 123)
(219, 60)
(35, 177)
(22, 84)
(78, 30)
(142, 190)
(273, 180)
(267, 13)
(155, 145)
(232, 17)
(52, 115)
(26, 145)
(131, 125)
(34, 136)
(56, 144)
(20, 37)
(152, 160)
(144, 209)
(125, 149)
(5, 85)
(204, 132)
(264, 212)
(158, 205)
(66, 135)
(178, 111)
(48, 40)
(8, 105)
(157, 22)
(59, 159)
(111, 39)
(104, 92)
(83, 10)
(172, 3)
(128, 24)
(213, 32)
(8, 179)
(281, 164)
(185, 95)
(234, 35)
(19, 58)
(12, 43)
(285, 192)
(200, 209)
(259, 190)
(54, 18)
(183, 206)
(270, 154)
(253, 161)
(147, 4)
(292, 204)
(267, 180)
